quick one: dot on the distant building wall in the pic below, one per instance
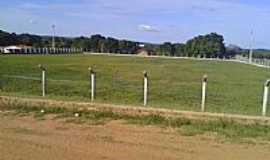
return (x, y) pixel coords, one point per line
(32, 50)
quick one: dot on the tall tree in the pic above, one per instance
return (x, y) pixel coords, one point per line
(165, 49)
(210, 45)
(111, 45)
(179, 50)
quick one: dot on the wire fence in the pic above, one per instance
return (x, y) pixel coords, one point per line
(125, 87)
(21, 84)
(260, 62)
(109, 87)
(114, 87)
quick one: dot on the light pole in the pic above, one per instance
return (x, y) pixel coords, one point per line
(53, 36)
(251, 49)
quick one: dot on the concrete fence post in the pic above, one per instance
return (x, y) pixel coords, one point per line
(43, 80)
(204, 87)
(92, 83)
(265, 97)
(145, 88)
(34, 50)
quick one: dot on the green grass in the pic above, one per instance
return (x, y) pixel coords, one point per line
(174, 84)
(228, 129)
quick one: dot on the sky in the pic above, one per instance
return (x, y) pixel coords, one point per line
(155, 21)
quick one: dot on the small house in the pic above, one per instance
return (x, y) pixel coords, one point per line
(144, 52)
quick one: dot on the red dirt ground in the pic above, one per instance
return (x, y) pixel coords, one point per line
(26, 138)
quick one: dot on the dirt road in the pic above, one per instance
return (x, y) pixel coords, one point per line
(26, 138)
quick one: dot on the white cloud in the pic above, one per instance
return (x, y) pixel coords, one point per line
(147, 28)
(33, 21)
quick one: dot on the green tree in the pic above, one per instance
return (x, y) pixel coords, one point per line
(179, 49)
(97, 43)
(210, 45)
(111, 45)
(165, 49)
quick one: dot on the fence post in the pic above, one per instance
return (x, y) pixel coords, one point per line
(1, 83)
(145, 88)
(43, 80)
(265, 97)
(92, 83)
(204, 86)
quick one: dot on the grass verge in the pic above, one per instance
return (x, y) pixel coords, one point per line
(222, 128)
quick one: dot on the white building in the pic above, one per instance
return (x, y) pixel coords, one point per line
(12, 49)
(30, 50)
(141, 45)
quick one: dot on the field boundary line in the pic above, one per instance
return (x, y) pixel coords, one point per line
(188, 58)
(133, 110)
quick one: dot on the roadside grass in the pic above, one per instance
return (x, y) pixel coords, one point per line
(174, 83)
(228, 129)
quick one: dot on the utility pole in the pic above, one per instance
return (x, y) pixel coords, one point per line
(53, 36)
(251, 47)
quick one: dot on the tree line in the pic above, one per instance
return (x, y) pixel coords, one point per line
(210, 45)
(95, 43)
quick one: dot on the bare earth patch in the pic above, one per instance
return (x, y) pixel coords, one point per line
(26, 138)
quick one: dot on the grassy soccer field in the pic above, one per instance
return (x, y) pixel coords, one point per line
(174, 83)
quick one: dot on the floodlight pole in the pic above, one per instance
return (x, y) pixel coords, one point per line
(53, 36)
(251, 47)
